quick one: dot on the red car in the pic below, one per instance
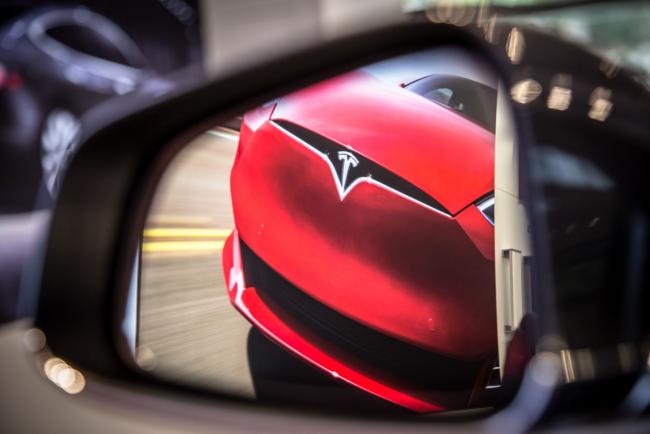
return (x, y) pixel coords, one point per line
(364, 238)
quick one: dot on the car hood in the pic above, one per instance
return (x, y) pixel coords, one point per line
(444, 154)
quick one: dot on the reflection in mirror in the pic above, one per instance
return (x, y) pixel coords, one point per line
(356, 244)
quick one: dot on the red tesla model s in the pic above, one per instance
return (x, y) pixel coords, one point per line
(364, 238)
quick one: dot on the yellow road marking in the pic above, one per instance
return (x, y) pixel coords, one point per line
(187, 232)
(182, 246)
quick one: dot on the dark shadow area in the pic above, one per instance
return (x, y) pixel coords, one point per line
(281, 378)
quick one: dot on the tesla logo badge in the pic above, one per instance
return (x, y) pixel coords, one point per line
(348, 159)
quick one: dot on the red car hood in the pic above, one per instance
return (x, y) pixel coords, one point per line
(444, 154)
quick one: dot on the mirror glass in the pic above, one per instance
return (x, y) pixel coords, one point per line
(358, 244)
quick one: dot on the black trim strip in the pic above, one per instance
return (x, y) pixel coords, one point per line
(366, 167)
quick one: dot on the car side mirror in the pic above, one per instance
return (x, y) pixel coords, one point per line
(313, 232)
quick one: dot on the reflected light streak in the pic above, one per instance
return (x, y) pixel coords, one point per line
(526, 91)
(600, 109)
(50, 364)
(34, 340)
(515, 45)
(559, 98)
(64, 376)
(609, 67)
(488, 27)
(451, 12)
(601, 106)
(578, 365)
(567, 366)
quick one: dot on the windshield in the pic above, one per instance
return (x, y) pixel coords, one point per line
(471, 99)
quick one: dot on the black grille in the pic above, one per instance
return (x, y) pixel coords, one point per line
(405, 364)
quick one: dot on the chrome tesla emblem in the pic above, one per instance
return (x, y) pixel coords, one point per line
(348, 159)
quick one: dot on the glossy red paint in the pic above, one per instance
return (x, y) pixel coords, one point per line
(388, 263)
(474, 225)
(246, 300)
(447, 156)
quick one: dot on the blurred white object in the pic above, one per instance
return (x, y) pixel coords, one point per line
(248, 31)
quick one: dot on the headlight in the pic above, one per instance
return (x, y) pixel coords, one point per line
(486, 206)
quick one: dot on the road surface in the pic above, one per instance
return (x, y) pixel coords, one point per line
(188, 330)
